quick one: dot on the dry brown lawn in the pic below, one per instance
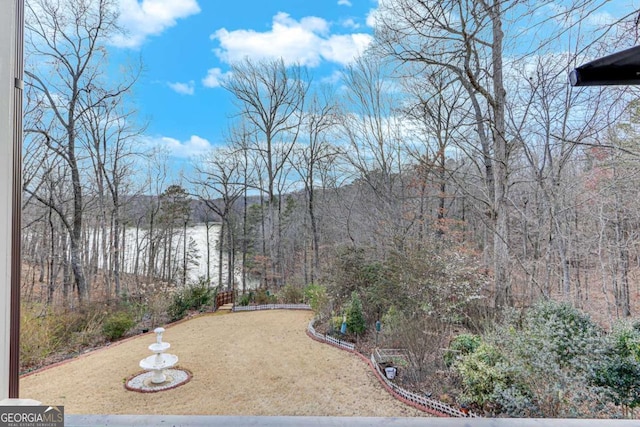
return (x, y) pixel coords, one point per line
(256, 363)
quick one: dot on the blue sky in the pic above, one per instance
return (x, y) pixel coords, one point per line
(186, 47)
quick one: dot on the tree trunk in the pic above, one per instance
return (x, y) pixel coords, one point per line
(66, 274)
(117, 249)
(184, 255)
(502, 279)
(221, 252)
(207, 225)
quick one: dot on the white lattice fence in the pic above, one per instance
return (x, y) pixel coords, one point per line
(328, 339)
(418, 399)
(344, 344)
(271, 307)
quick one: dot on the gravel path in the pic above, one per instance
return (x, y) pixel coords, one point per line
(255, 363)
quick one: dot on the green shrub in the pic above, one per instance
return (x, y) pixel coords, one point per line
(355, 317)
(461, 346)
(263, 296)
(619, 373)
(199, 296)
(335, 323)
(179, 307)
(246, 299)
(291, 294)
(620, 378)
(536, 365)
(482, 374)
(117, 324)
(193, 297)
(625, 341)
(565, 331)
(316, 296)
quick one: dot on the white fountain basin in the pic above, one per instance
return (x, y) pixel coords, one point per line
(160, 361)
(157, 364)
(159, 347)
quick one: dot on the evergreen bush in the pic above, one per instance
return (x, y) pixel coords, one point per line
(355, 317)
(537, 364)
(117, 324)
(245, 299)
(619, 373)
(193, 297)
(461, 346)
(482, 373)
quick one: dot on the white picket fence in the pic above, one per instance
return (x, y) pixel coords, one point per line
(329, 339)
(271, 307)
(416, 398)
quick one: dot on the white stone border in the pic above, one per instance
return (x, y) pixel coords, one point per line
(176, 377)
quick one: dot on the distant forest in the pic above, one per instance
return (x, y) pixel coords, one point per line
(436, 141)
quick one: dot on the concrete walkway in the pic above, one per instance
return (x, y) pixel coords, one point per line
(225, 421)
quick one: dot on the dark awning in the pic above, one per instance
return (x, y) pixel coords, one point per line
(622, 68)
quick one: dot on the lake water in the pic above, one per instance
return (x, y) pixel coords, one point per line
(197, 235)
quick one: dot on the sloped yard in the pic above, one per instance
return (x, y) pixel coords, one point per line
(258, 363)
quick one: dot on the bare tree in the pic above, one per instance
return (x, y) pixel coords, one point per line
(67, 39)
(219, 182)
(270, 97)
(372, 127)
(469, 45)
(468, 41)
(309, 160)
(109, 133)
(435, 109)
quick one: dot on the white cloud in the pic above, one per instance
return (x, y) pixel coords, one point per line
(194, 146)
(350, 23)
(344, 3)
(372, 18)
(333, 78)
(306, 42)
(214, 77)
(344, 48)
(601, 19)
(183, 88)
(150, 17)
(566, 17)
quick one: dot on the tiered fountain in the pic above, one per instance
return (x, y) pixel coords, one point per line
(160, 360)
(158, 374)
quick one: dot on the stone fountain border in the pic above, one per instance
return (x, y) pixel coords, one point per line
(160, 372)
(160, 387)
